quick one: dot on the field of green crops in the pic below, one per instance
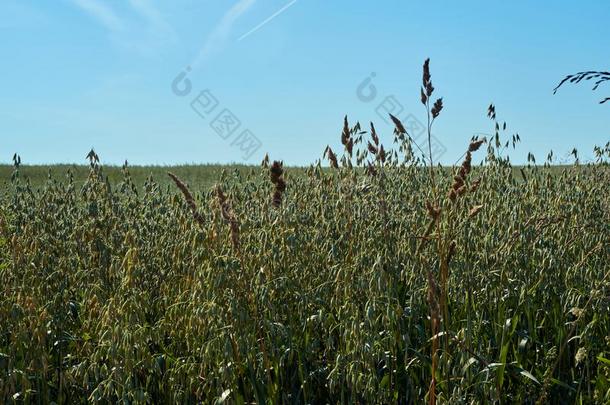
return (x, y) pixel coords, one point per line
(380, 279)
(201, 177)
(378, 282)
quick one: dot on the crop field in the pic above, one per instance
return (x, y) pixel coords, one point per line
(201, 177)
(277, 203)
(379, 281)
(376, 277)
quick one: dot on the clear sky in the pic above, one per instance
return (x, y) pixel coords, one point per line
(76, 74)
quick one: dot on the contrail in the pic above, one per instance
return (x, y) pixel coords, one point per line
(271, 17)
(221, 32)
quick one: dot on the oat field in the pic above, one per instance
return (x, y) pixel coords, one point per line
(379, 279)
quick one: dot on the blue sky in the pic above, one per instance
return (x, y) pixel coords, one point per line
(77, 74)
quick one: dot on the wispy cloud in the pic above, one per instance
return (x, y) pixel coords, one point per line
(151, 14)
(220, 34)
(144, 30)
(102, 13)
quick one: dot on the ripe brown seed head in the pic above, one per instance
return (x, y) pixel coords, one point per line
(190, 200)
(458, 181)
(400, 129)
(429, 89)
(372, 149)
(277, 172)
(374, 135)
(426, 80)
(371, 170)
(475, 185)
(437, 108)
(382, 154)
(345, 135)
(475, 145)
(265, 162)
(332, 157)
(433, 211)
(466, 165)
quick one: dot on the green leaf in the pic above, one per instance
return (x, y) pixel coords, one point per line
(385, 381)
(469, 363)
(562, 384)
(527, 374)
(604, 360)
